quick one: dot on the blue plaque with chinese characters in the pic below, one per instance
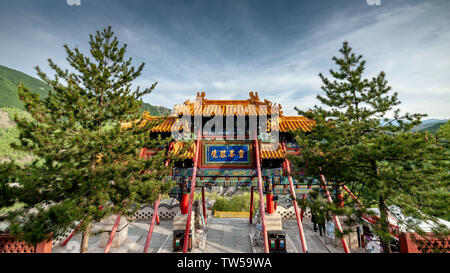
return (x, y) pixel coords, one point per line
(235, 154)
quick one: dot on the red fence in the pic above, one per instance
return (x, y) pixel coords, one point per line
(8, 244)
(430, 245)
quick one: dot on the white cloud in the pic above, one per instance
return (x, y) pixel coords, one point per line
(408, 42)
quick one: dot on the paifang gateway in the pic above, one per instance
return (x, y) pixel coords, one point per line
(241, 143)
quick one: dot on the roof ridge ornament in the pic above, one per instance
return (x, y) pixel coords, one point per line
(201, 95)
(254, 98)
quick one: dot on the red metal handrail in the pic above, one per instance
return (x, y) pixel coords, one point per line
(150, 230)
(155, 208)
(261, 202)
(373, 219)
(336, 219)
(112, 234)
(204, 206)
(251, 205)
(71, 234)
(191, 196)
(297, 214)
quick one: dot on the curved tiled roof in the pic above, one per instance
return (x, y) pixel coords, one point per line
(293, 123)
(267, 153)
(286, 124)
(250, 107)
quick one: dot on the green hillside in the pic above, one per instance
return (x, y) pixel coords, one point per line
(9, 82)
(10, 134)
(10, 105)
(433, 128)
(155, 110)
(430, 126)
(10, 79)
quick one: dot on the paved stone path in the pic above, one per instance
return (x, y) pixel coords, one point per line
(314, 242)
(137, 235)
(228, 235)
(160, 235)
(223, 235)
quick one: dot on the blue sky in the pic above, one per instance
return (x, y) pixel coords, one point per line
(230, 47)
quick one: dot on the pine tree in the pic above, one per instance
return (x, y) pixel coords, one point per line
(380, 159)
(87, 167)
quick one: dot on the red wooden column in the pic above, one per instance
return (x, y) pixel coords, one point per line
(261, 202)
(191, 196)
(336, 219)
(251, 205)
(269, 203)
(297, 214)
(184, 204)
(204, 206)
(269, 197)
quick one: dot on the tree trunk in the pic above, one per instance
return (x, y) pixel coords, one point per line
(384, 221)
(85, 238)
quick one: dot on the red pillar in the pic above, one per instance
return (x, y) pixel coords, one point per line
(269, 196)
(269, 203)
(184, 204)
(251, 205)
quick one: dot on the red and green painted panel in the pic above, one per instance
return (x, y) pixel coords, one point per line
(214, 172)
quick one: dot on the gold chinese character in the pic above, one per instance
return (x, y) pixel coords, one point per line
(232, 154)
(241, 153)
(214, 154)
(222, 154)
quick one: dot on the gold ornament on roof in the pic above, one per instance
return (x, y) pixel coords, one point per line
(253, 97)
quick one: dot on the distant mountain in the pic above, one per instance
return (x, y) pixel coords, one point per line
(433, 121)
(10, 79)
(430, 125)
(155, 110)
